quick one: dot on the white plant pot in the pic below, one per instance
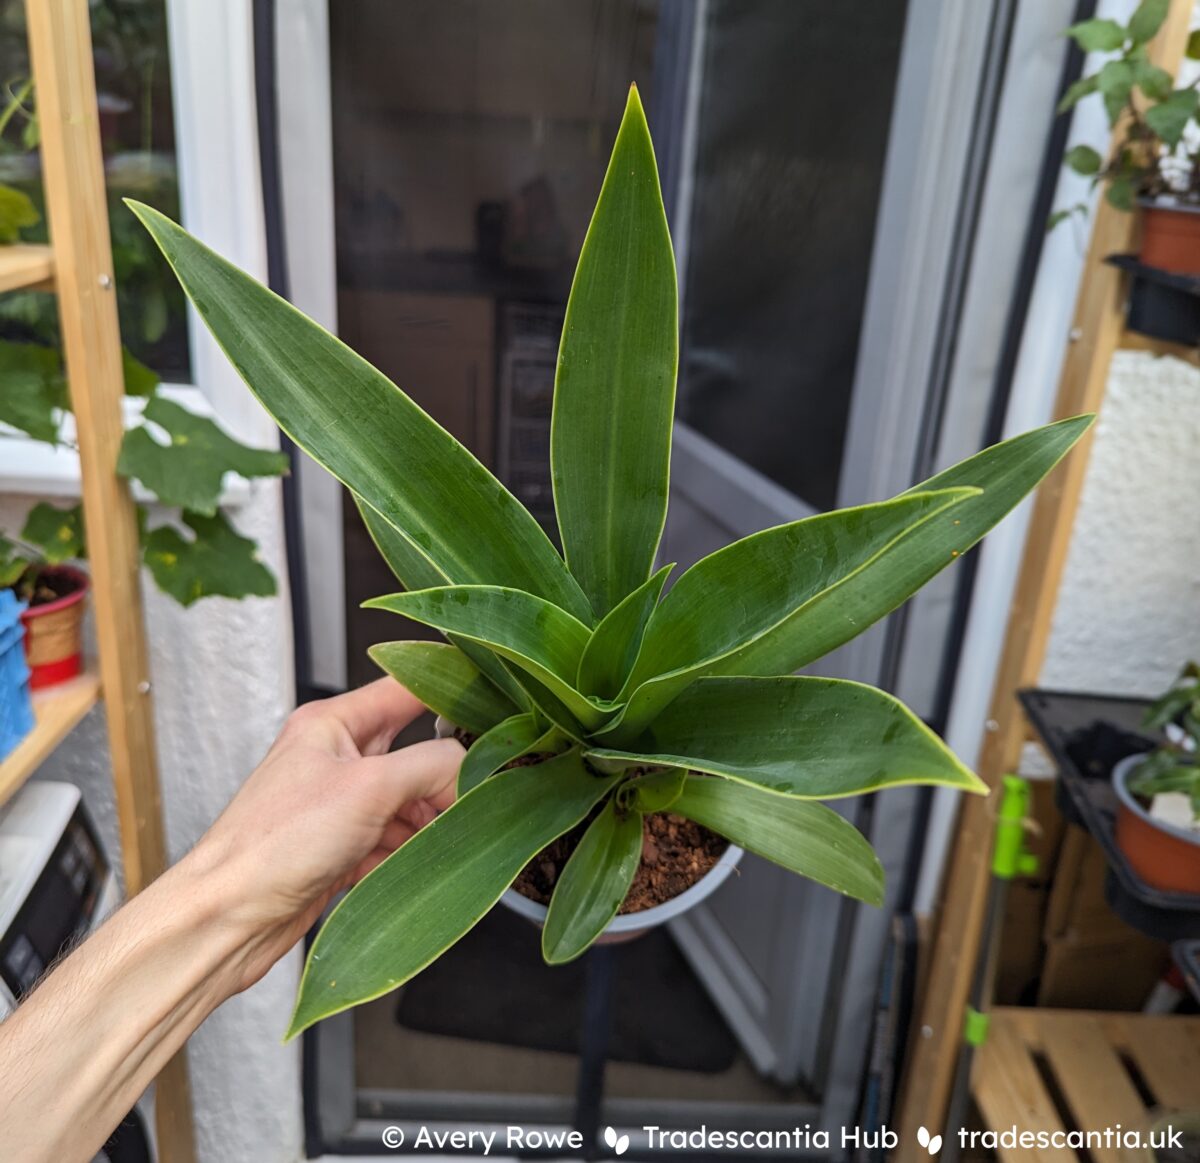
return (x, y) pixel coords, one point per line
(626, 926)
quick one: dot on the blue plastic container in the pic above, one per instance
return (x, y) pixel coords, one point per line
(16, 710)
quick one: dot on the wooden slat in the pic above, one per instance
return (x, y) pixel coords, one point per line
(26, 266)
(1009, 1092)
(61, 54)
(1133, 341)
(1096, 331)
(1095, 1084)
(1167, 1055)
(57, 711)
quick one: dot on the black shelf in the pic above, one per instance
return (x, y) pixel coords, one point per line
(1087, 735)
(1162, 305)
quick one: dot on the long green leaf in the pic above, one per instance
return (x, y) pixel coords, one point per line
(593, 884)
(1006, 473)
(614, 391)
(800, 835)
(353, 420)
(446, 681)
(506, 741)
(539, 637)
(756, 589)
(428, 893)
(414, 572)
(614, 645)
(818, 738)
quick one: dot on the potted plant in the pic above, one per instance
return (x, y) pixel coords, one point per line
(1152, 164)
(52, 591)
(1158, 794)
(594, 702)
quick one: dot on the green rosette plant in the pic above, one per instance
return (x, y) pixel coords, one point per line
(636, 700)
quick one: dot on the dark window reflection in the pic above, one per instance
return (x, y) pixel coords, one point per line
(793, 125)
(470, 141)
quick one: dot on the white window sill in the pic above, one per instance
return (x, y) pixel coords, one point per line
(33, 468)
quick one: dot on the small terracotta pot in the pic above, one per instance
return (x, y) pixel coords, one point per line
(1171, 238)
(1165, 857)
(54, 632)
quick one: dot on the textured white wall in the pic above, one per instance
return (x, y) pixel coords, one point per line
(1128, 613)
(222, 676)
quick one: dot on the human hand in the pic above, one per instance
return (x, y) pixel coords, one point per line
(326, 805)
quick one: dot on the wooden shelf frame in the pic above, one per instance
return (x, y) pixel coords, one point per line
(26, 266)
(78, 265)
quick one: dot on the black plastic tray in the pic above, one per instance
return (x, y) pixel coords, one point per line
(1161, 304)
(1088, 735)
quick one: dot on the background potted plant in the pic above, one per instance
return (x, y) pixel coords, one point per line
(615, 703)
(1153, 164)
(1158, 794)
(52, 591)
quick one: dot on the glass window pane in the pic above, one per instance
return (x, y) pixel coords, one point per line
(793, 125)
(137, 129)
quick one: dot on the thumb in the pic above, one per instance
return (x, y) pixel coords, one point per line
(421, 771)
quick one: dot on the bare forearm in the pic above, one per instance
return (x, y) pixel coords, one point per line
(78, 1053)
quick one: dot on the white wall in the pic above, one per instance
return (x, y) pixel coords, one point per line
(221, 674)
(1129, 611)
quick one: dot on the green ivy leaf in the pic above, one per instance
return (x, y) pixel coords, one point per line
(1121, 193)
(1170, 117)
(16, 211)
(58, 533)
(12, 563)
(1062, 215)
(1084, 87)
(1147, 20)
(139, 379)
(1154, 82)
(34, 389)
(217, 561)
(1193, 45)
(188, 471)
(1083, 160)
(1115, 82)
(1097, 35)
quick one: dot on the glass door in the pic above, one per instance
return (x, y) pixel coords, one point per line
(813, 160)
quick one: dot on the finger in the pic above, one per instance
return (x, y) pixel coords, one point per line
(421, 771)
(395, 832)
(369, 863)
(375, 714)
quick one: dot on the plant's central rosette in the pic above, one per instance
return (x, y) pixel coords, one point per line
(586, 658)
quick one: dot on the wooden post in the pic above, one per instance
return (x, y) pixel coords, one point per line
(1096, 330)
(60, 47)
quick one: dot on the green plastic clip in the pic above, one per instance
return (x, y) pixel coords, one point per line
(975, 1028)
(1010, 857)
